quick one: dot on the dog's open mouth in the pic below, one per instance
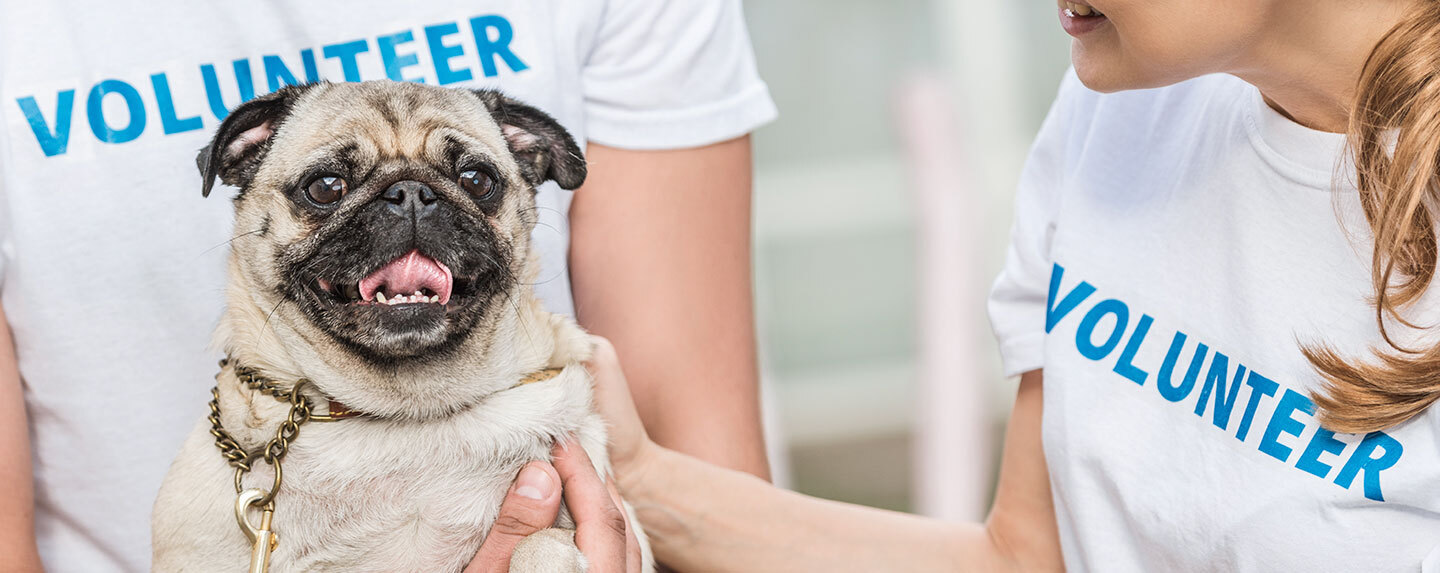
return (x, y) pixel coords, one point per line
(392, 301)
(411, 279)
(392, 307)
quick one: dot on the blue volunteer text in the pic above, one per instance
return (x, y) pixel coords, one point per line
(1219, 389)
(492, 34)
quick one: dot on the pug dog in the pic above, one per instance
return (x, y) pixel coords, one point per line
(382, 263)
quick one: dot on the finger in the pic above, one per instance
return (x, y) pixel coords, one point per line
(613, 401)
(610, 384)
(599, 523)
(532, 504)
(633, 559)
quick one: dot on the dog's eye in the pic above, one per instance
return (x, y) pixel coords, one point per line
(477, 183)
(326, 189)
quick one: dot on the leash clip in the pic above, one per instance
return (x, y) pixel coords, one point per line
(262, 540)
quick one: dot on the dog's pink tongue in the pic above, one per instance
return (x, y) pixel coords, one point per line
(406, 275)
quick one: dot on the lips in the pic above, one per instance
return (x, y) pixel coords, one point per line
(412, 278)
(1081, 9)
(1079, 19)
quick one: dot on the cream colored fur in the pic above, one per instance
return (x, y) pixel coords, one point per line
(417, 487)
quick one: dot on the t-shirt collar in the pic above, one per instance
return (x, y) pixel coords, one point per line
(1309, 156)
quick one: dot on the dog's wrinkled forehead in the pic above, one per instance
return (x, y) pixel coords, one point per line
(376, 122)
(379, 121)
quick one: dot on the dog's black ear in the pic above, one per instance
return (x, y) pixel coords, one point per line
(243, 138)
(542, 147)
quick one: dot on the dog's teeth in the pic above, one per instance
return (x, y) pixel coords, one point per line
(380, 296)
(435, 298)
(418, 293)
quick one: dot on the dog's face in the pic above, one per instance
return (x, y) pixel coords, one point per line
(389, 221)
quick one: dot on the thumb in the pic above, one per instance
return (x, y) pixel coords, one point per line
(612, 399)
(532, 504)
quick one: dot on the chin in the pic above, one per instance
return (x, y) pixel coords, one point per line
(1099, 72)
(1105, 68)
(396, 309)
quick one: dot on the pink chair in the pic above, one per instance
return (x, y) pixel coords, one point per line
(953, 452)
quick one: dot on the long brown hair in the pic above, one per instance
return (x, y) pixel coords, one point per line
(1394, 136)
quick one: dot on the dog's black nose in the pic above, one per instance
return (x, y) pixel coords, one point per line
(410, 198)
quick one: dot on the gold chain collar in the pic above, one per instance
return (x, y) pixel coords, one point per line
(263, 541)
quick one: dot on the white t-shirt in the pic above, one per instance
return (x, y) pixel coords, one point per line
(1156, 225)
(114, 264)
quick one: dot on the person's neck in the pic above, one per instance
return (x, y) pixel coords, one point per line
(1308, 67)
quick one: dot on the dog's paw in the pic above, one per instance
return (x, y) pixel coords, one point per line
(548, 551)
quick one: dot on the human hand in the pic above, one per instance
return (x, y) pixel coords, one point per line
(601, 528)
(631, 449)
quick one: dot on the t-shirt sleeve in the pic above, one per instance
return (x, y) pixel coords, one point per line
(666, 74)
(1019, 296)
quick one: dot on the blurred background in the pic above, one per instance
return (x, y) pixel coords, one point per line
(882, 211)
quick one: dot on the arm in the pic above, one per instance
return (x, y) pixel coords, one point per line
(703, 518)
(660, 264)
(17, 506)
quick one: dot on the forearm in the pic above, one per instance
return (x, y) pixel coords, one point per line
(703, 518)
(17, 505)
(660, 265)
(700, 517)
